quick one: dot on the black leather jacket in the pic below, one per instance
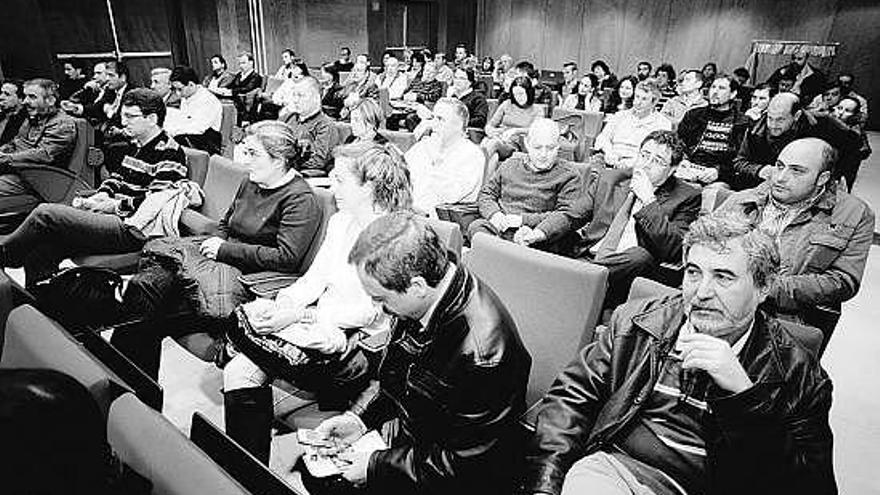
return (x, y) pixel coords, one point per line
(772, 438)
(455, 391)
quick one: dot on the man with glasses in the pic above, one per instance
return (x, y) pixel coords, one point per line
(116, 219)
(636, 216)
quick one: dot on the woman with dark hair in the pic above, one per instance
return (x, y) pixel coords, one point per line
(622, 97)
(584, 97)
(607, 79)
(710, 70)
(307, 335)
(487, 66)
(511, 121)
(270, 225)
(53, 439)
(220, 77)
(366, 119)
(331, 91)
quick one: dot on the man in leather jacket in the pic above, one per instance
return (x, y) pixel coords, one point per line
(452, 380)
(697, 393)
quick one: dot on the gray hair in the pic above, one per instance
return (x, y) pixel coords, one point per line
(49, 87)
(718, 229)
(460, 109)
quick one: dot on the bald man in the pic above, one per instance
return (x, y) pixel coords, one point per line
(784, 122)
(529, 197)
(823, 233)
(309, 123)
(636, 217)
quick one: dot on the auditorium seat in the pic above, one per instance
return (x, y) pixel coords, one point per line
(227, 124)
(554, 301)
(126, 263)
(33, 340)
(157, 450)
(221, 183)
(584, 126)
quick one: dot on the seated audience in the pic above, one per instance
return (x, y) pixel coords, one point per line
(643, 70)
(271, 104)
(636, 217)
(91, 91)
(528, 199)
(446, 167)
(824, 103)
(569, 80)
(710, 70)
(622, 96)
(463, 88)
(74, 78)
(543, 94)
(622, 136)
(607, 80)
(761, 95)
(344, 62)
(313, 325)
(127, 209)
(197, 123)
(103, 112)
(690, 96)
(392, 79)
(665, 77)
(315, 130)
(808, 80)
(743, 90)
(849, 111)
(160, 82)
(785, 83)
(55, 439)
(846, 89)
(424, 91)
(12, 110)
(712, 135)
(285, 71)
(824, 234)
(452, 333)
(511, 121)
(366, 119)
(270, 225)
(359, 86)
(332, 99)
(461, 53)
(46, 137)
(784, 122)
(243, 88)
(584, 96)
(501, 74)
(220, 77)
(487, 65)
(698, 392)
(444, 72)
(416, 64)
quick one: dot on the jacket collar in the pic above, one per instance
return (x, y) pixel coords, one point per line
(758, 197)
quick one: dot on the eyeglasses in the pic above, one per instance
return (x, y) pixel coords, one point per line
(130, 116)
(652, 160)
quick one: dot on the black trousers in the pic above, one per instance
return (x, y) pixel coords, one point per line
(623, 268)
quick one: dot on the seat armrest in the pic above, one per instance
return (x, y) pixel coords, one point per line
(52, 184)
(267, 284)
(195, 223)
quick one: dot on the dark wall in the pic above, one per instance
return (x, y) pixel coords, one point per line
(24, 46)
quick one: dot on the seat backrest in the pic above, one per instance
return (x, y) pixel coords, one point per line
(385, 101)
(157, 450)
(449, 234)
(85, 137)
(343, 130)
(328, 208)
(402, 139)
(221, 183)
(554, 301)
(196, 164)
(227, 124)
(644, 288)
(33, 340)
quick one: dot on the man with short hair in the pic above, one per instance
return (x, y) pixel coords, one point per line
(712, 135)
(570, 79)
(743, 91)
(528, 199)
(690, 96)
(824, 103)
(846, 89)
(636, 217)
(784, 122)
(46, 137)
(452, 377)
(643, 70)
(444, 72)
(619, 141)
(103, 112)
(197, 123)
(761, 95)
(461, 53)
(310, 125)
(849, 111)
(160, 82)
(808, 81)
(824, 233)
(92, 90)
(392, 79)
(463, 88)
(446, 167)
(120, 216)
(359, 85)
(695, 392)
(344, 63)
(12, 110)
(242, 90)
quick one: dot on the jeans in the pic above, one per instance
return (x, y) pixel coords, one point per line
(53, 232)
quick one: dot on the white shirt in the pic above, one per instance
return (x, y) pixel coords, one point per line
(451, 175)
(197, 114)
(625, 132)
(396, 85)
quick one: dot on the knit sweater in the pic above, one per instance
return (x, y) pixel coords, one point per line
(320, 131)
(712, 137)
(478, 108)
(269, 229)
(543, 198)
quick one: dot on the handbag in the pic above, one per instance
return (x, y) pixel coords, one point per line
(81, 296)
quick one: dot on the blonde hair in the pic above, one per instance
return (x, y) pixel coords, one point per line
(383, 167)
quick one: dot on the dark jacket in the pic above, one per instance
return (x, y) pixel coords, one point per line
(813, 85)
(478, 109)
(332, 100)
(318, 133)
(660, 226)
(241, 86)
(48, 139)
(759, 149)
(455, 390)
(772, 438)
(713, 137)
(823, 252)
(13, 124)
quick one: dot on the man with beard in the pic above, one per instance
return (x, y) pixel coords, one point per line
(712, 135)
(808, 80)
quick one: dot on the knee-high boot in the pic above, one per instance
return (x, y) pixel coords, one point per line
(249, 413)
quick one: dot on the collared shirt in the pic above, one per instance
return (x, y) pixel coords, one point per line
(441, 290)
(197, 114)
(444, 175)
(625, 132)
(45, 139)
